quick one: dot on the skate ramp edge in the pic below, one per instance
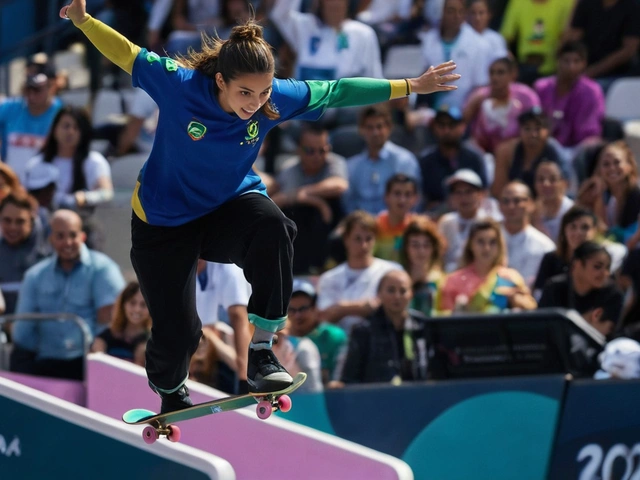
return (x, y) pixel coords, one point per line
(42, 436)
(255, 448)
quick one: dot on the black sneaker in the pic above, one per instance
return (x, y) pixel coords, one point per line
(178, 400)
(265, 373)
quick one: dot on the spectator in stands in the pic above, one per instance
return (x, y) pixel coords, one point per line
(421, 254)
(370, 170)
(222, 296)
(232, 13)
(3, 305)
(75, 280)
(25, 121)
(189, 18)
(41, 184)
(304, 321)
(127, 335)
(466, 195)
(449, 155)
(494, 110)
(525, 244)
(140, 129)
(551, 200)
(22, 243)
(611, 31)
(309, 190)
(573, 102)
(9, 181)
(214, 363)
(456, 40)
(328, 44)
(484, 284)
(518, 159)
(587, 288)
(578, 225)
(346, 293)
(401, 196)
(389, 346)
(479, 16)
(394, 21)
(613, 193)
(536, 28)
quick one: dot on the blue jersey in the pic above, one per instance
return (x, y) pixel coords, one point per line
(202, 156)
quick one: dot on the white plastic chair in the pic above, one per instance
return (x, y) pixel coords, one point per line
(403, 61)
(623, 99)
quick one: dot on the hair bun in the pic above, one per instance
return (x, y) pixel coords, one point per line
(248, 31)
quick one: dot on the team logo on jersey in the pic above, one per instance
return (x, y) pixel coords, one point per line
(253, 129)
(153, 57)
(170, 65)
(196, 131)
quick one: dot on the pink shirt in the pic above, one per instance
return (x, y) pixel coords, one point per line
(576, 115)
(494, 125)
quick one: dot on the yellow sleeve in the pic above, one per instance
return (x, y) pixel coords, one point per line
(509, 28)
(111, 44)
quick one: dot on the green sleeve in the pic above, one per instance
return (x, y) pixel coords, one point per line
(348, 92)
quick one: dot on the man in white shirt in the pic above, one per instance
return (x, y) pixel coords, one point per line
(525, 244)
(222, 295)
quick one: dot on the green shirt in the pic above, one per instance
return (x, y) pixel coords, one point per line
(329, 339)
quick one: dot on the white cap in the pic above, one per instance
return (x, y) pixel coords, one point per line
(465, 175)
(40, 175)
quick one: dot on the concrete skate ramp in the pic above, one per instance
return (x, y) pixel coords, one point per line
(44, 437)
(267, 449)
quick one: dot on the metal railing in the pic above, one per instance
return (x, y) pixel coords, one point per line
(59, 317)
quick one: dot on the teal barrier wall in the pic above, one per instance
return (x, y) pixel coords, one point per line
(500, 428)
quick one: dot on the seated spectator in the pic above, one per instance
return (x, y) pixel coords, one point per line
(25, 121)
(309, 189)
(455, 40)
(466, 196)
(346, 293)
(304, 321)
(479, 16)
(84, 179)
(127, 335)
(525, 244)
(587, 288)
(613, 193)
(232, 13)
(41, 184)
(577, 226)
(389, 346)
(551, 200)
(611, 31)
(494, 110)
(222, 297)
(421, 254)
(394, 21)
(189, 19)
(22, 244)
(370, 170)
(75, 280)
(214, 362)
(328, 44)
(449, 155)
(573, 102)
(140, 129)
(401, 196)
(9, 181)
(518, 159)
(483, 284)
(536, 27)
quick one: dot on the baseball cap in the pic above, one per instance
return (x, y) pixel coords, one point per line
(40, 74)
(41, 175)
(303, 286)
(454, 113)
(465, 175)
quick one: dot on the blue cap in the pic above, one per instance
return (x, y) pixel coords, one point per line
(303, 286)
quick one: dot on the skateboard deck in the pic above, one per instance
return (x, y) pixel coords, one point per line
(162, 423)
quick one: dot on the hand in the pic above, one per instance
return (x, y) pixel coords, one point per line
(591, 189)
(76, 11)
(435, 79)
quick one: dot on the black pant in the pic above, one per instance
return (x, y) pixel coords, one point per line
(249, 231)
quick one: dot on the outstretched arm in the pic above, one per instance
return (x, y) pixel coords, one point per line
(110, 43)
(353, 92)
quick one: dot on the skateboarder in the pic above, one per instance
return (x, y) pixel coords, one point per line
(197, 196)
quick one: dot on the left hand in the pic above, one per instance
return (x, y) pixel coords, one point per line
(435, 79)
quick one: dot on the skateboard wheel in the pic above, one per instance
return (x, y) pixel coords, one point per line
(174, 433)
(149, 434)
(263, 410)
(284, 403)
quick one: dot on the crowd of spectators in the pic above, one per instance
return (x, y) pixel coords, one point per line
(511, 193)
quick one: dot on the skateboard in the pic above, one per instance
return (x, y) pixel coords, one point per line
(162, 423)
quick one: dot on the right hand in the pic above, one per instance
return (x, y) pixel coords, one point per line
(76, 11)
